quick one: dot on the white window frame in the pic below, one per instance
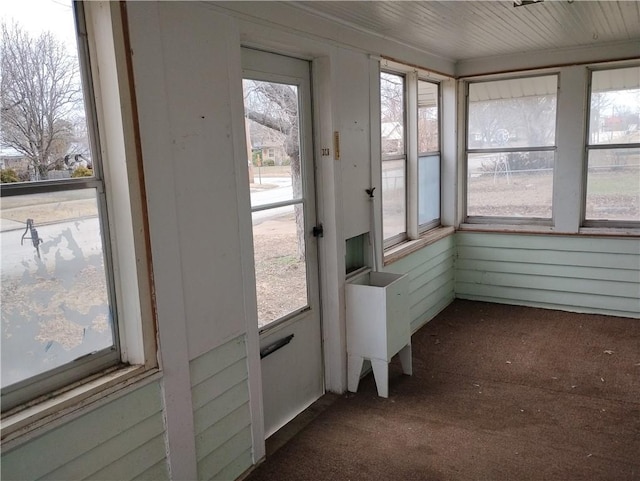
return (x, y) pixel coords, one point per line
(503, 220)
(602, 223)
(414, 230)
(109, 94)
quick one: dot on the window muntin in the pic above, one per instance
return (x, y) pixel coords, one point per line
(613, 147)
(511, 127)
(394, 160)
(58, 317)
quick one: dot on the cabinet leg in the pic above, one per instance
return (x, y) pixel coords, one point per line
(381, 375)
(405, 359)
(353, 374)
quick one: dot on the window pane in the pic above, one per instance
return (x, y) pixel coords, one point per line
(517, 184)
(279, 251)
(613, 185)
(44, 129)
(428, 189)
(393, 198)
(428, 121)
(512, 113)
(272, 126)
(55, 303)
(615, 106)
(392, 114)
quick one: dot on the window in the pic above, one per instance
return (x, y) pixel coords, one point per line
(428, 155)
(410, 141)
(511, 131)
(60, 321)
(394, 159)
(613, 147)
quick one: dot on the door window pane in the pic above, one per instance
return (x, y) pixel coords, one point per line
(275, 175)
(55, 303)
(272, 124)
(279, 254)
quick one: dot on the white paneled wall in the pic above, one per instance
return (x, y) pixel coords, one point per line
(582, 274)
(123, 439)
(203, 418)
(431, 280)
(222, 418)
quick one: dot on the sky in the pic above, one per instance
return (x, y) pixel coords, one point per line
(37, 16)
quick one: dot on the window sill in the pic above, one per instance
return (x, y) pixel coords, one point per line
(548, 230)
(18, 426)
(406, 248)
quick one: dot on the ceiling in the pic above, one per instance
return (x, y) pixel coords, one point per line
(464, 30)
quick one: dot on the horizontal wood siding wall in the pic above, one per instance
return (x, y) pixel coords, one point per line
(121, 440)
(431, 279)
(221, 411)
(581, 274)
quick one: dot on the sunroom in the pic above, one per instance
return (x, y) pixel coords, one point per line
(246, 164)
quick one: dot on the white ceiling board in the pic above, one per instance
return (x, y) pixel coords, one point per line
(465, 30)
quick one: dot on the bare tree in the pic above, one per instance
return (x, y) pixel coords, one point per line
(392, 113)
(275, 106)
(41, 94)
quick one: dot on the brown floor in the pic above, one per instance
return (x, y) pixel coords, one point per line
(498, 393)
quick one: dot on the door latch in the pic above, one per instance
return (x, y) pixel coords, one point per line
(318, 231)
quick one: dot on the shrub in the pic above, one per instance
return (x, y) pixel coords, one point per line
(520, 161)
(8, 175)
(82, 172)
(269, 163)
(529, 161)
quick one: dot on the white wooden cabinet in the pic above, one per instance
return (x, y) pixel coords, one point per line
(378, 326)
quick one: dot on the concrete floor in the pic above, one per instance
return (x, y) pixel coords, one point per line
(498, 393)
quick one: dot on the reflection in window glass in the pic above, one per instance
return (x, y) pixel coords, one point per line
(55, 306)
(512, 113)
(615, 107)
(57, 312)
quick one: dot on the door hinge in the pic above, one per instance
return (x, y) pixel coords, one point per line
(318, 231)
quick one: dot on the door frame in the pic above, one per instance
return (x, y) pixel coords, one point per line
(265, 66)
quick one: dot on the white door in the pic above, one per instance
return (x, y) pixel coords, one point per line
(277, 98)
